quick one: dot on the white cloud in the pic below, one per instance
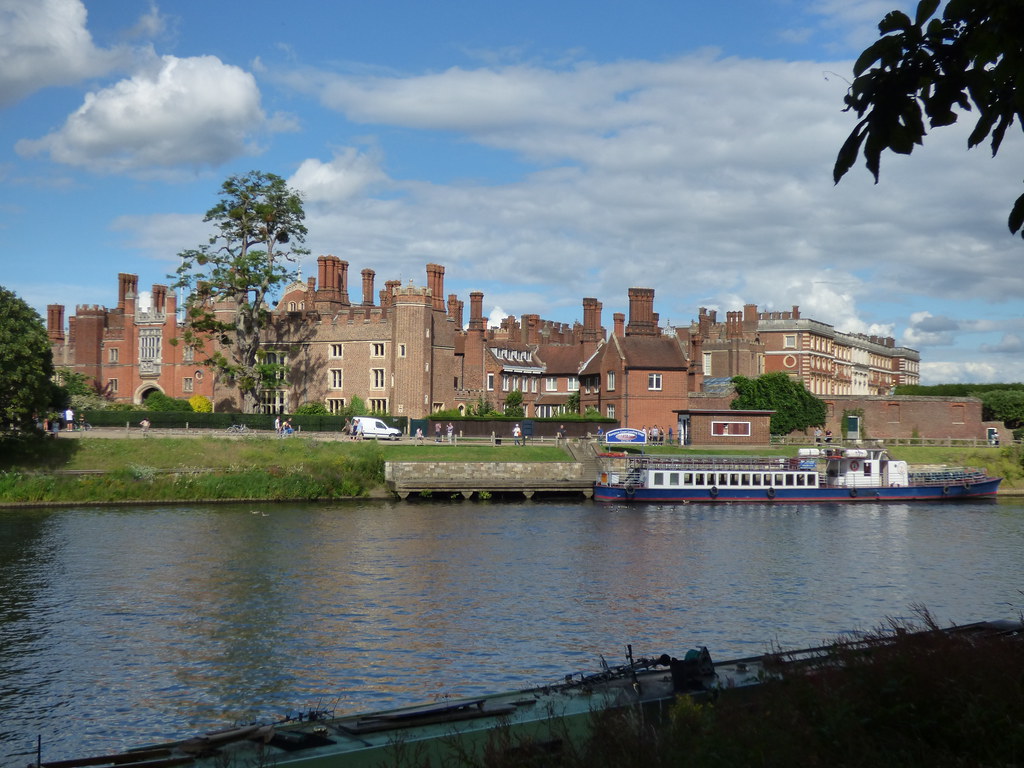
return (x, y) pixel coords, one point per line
(495, 318)
(176, 113)
(348, 174)
(45, 43)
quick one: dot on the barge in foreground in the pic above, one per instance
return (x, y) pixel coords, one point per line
(816, 475)
(539, 719)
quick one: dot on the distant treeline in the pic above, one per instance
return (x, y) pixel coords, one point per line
(954, 390)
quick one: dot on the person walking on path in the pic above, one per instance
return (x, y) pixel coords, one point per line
(437, 432)
(451, 431)
(517, 435)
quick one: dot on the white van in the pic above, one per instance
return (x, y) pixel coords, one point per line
(368, 426)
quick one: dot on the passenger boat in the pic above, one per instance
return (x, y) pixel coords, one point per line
(539, 719)
(816, 475)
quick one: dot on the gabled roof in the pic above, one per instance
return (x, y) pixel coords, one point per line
(650, 353)
(560, 359)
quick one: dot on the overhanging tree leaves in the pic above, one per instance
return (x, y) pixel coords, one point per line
(26, 364)
(795, 408)
(258, 236)
(971, 58)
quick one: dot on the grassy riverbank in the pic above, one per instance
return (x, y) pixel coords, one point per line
(92, 469)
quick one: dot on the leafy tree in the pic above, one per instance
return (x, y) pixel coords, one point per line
(258, 235)
(1005, 405)
(970, 57)
(572, 405)
(26, 364)
(795, 408)
(514, 404)
(356, 407)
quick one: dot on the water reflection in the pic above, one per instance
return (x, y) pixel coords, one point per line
(123, 626)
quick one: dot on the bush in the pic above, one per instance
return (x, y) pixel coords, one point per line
(311, 408)
(158, 401)
(200, 404)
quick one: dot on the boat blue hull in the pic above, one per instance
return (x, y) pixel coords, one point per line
(982, 489)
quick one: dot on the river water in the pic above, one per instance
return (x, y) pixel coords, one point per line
(123, 626)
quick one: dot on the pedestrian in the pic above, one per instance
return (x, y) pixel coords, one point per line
(69, 419)
(817, 434)
(517, 435)
(361, 431)
(419, 436)
(655, 434)
(437, 432)
(451, 431)
(561, 431)
(145, 427)
(670, 435)
(347, 429)
(600, 433)
(277, 425)
(828, 435)
(287, 427)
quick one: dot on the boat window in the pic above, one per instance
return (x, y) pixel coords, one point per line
(867, 467)
(780, 480)
(800, 479)
(734, 479)
(700, 479)
(789, 480)
(723, 479)
(659, 478)
(688, 478)
(756, 479)
(744, 479)
(673, 478)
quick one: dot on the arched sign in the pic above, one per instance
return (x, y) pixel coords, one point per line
(626, 435)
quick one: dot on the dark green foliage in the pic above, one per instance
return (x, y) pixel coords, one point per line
(26, 365)
(925, 69)
(311, 409)
(795, 408)
(954, 390)
(158, 401)
(514, 404)
(1005, 405)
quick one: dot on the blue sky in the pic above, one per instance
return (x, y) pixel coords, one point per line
(541, 151)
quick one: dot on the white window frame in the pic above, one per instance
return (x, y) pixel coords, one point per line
(611, 381)
(380, 379)
(337, 378)
(377, 349)
(551, 384)
(337, 351)
(654, 382)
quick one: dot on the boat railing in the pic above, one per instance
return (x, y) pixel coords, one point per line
(716, 463)
(947, 475)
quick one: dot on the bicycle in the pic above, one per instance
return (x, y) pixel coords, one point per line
(237, 429)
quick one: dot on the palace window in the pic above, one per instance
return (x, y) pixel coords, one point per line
(490, 382)
(378, 405)
(789, 341)
(112, 383)
(551, 383)
(610, 411)
(335, 404)
(273, 401)
(188, 354)
(654, 381)
(573, 384)
(149, 345)
(112, 355)
(378, 349)
(611, 380)
(379, 379)
(337, 350)
(337, 378)
(401, 350)
(186, 384)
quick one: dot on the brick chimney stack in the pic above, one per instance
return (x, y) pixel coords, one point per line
(435, 282)
(641, 313)
(55, 322)
(368, 275)
(619, 320)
